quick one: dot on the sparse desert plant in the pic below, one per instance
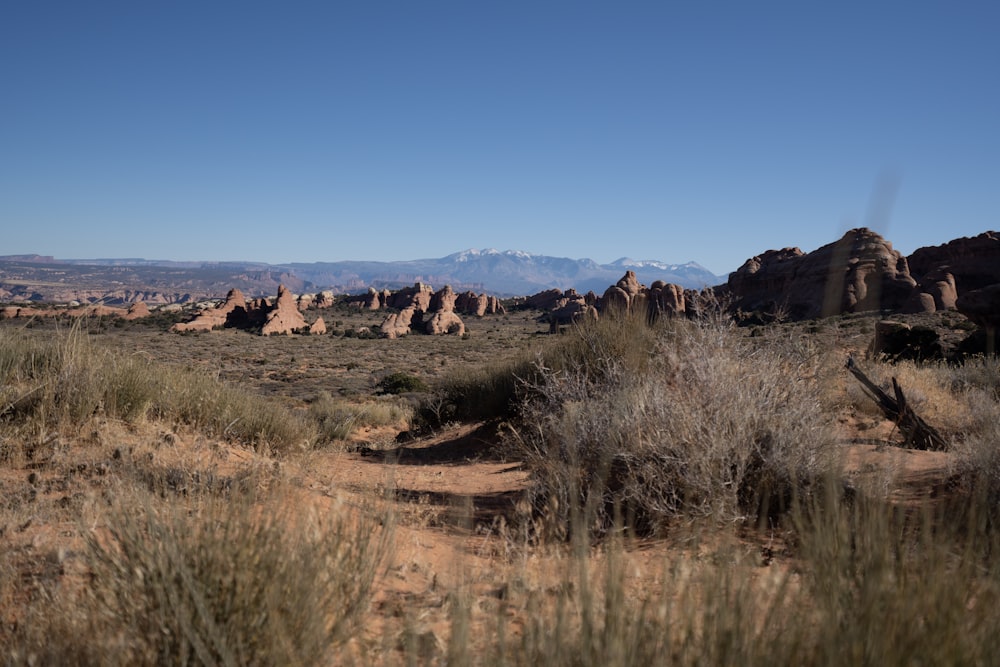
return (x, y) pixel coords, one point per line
(337, 419)
(703, 424)
(496, 390)
(66, 380)
(222, 582)
(960, 401)
(400, 383)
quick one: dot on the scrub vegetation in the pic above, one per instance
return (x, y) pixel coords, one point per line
(624, 494)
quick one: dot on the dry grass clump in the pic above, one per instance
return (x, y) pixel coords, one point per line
(869, 586)
(961, 401)
(497, 390)
(680, 419)
(337, 419)
(67, 380)
(222, 581)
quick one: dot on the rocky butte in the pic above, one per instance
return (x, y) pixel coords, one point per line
(862, 272)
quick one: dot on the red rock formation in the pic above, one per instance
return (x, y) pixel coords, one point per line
(231, 312)
(418, 296)
(137, 310)
(324, 299)
(544, 300)
(284, 317)
(443, 301)
(445, 322)
(318, 328)
(470, 303)
(859, 272)
(396, 325)
(974, 262)
(667, 298)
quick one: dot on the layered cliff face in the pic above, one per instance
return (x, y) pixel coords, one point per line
(974, 262)
(859, 272)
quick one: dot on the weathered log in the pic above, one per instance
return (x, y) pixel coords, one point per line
(917, 433)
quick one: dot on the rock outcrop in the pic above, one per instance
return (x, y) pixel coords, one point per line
(574, 312)
(445, 322)
(396, 325)
(137, 311)
(974, 262)
(443, 301)
(859, 272)
(667, 298)
(418, 296)
(231, 312)
(284, 317)
(318, 328)
(416, 302)
(623, 295)
(982, 306)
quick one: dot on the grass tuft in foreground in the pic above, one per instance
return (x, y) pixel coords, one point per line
(221, 582)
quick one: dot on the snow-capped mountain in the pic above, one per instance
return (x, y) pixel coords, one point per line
(508, 272)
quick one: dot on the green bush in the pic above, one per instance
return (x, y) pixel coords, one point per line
(400, 383)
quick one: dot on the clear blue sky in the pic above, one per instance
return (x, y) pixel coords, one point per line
(313, 131)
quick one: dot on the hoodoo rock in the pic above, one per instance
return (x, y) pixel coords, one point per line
(318, 328)
(231, 312)
(860, 272)
(444, 322)
(627, 295)
(284, 317)
(418, 296)
(470, 303)
(443, 301)
(396, 325)
(667, 298)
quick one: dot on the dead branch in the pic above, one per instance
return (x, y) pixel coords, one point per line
(917, 433)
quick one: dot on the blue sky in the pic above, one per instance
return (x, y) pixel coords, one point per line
(323, 131)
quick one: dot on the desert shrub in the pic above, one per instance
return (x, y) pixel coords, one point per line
(400, 383)
(702, 424)
(482, 393)
(218, 583)
(497, 390)
(336, 419)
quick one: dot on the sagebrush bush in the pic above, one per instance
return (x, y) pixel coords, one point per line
(683, 419)
(497, 390)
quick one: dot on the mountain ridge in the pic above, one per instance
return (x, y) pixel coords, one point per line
(500, 273)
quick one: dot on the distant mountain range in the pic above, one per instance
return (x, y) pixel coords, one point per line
(507, 273)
